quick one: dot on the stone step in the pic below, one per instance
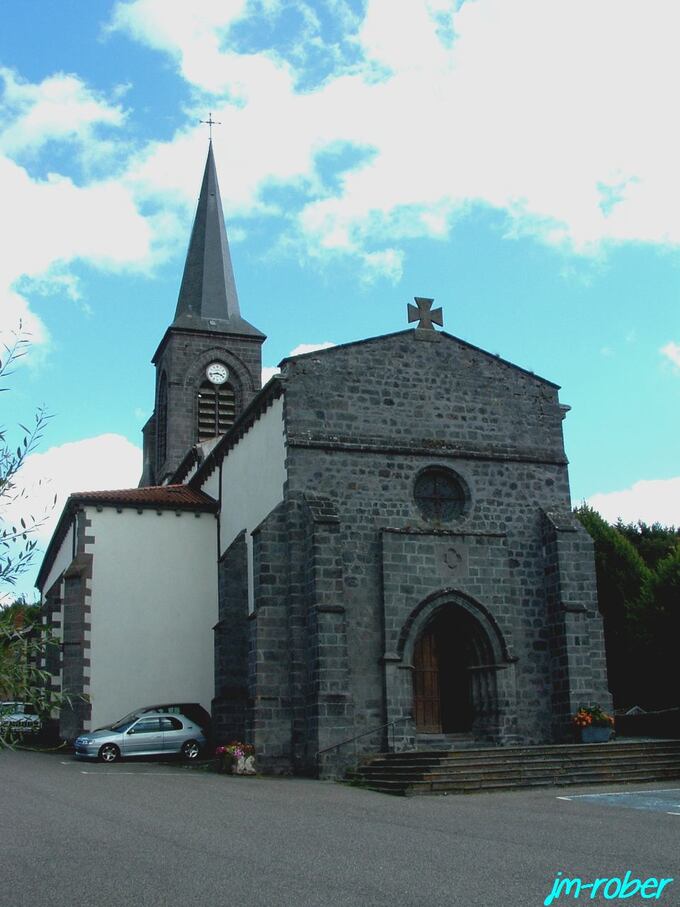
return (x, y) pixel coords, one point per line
(594, 758)
(597, 750)
(525, 771)
(490, 751)
(514, 767)
(461, 765)
(477, 786)
(521, 778)
(545, 766)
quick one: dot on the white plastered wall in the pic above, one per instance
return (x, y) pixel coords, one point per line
(154, 604)
(62, 559)
(253, 476)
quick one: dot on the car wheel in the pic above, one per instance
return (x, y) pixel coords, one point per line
(190, 750)
(109, 752)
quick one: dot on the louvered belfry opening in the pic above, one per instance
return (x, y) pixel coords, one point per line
(216, 409)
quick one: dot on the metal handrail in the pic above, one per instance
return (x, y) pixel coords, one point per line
(380, 727)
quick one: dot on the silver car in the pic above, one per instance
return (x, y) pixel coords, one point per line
(151, 734)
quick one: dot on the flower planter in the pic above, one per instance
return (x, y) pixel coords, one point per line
(245, 765)
(236, 759)
(595, 734)
(225, 764)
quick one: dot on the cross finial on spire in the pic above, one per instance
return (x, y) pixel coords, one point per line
(424, 314)
(210, 123)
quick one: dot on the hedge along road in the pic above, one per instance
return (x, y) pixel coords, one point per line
(145, 833)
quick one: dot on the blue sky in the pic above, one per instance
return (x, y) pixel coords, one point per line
(517, 161)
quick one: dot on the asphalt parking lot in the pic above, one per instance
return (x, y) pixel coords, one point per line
(145, 833)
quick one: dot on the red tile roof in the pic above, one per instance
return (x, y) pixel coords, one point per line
(157, 497)
(174, 497)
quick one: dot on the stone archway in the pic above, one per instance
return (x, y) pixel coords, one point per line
(454, 688)
(459, 641)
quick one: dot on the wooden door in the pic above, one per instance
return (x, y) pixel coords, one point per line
(426, 701)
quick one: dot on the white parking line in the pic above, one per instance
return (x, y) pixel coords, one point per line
(163, 774)
(624, 793)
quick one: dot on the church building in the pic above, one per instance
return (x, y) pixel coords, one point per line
(374, 551)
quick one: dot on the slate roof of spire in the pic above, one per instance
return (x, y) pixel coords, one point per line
(207, 297)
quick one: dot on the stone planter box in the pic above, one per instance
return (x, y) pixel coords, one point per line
(595, 734)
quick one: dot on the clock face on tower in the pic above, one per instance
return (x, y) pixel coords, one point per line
(217, 373)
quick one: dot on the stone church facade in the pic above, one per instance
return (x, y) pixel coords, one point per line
(396, 564)
(423, 575)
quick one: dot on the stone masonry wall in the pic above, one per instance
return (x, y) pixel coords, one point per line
(231, 644)
(270, 714)
(362, 421)
(579, 670)
(76, 626)
(185, 356)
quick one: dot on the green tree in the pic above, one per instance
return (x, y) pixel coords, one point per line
(623, 589)
(653, 543)
(663, 591)
(24, 644)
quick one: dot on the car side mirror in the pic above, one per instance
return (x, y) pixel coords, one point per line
(131, 731)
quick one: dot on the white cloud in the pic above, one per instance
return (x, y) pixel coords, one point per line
(191, 33)
(268, 371)
(17, 318)
(650, 500)
(387, 264)
(672, 352)
(556, 113)
(61, 107)
(55, 220)
(303, 348)
(93, 464)
(98, 223)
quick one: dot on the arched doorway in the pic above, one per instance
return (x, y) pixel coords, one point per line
(450, 684)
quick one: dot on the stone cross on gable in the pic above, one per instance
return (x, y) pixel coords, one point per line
(424, 314)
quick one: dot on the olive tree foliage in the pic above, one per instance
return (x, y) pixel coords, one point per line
(17, 536)
(25, 641)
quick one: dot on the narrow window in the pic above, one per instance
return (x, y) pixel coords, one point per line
(162, 420)
(216, 409)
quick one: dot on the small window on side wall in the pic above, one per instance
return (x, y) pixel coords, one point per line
(439, 494)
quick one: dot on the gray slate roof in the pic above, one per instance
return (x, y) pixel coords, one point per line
(208, 300)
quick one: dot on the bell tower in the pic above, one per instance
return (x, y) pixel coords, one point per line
(209, 362)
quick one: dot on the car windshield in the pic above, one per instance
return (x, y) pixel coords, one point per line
(124, 723)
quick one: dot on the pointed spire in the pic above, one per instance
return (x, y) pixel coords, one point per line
(207, 297)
